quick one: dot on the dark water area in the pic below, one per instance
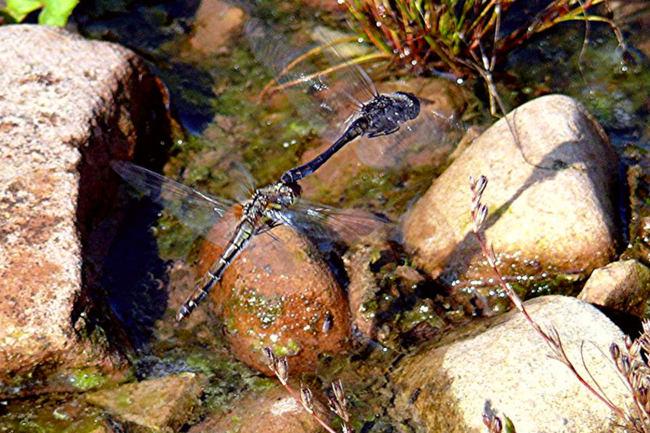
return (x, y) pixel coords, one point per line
(214, 98)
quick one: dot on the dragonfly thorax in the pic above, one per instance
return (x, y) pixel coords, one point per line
(269, 201)
(386, 113)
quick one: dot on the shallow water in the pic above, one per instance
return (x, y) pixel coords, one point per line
(214, 97)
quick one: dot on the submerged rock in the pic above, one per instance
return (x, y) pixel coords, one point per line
(162, 405)
(623, 286)
(503, 366)
(67, 106)
(278, 294)
(552, 215)
(215, 21)
(270, 411)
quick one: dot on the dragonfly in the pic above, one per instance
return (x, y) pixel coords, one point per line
(323, 83)
(267, 207)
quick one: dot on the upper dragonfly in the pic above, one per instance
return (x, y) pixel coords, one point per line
(324, 84)
(266, 208)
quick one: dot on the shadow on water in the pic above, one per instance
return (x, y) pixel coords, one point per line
(145, 29)
(134, 276)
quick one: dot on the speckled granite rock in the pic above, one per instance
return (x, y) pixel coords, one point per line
(67, 106)
(623, 286)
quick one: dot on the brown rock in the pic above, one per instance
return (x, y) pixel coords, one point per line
(326, 5)
(555, 218)
(623, 286)
(504, 366)
(215, 21)
(270, 411)
(281, 295)
(162, 405)
(67, 106)
(362, 288)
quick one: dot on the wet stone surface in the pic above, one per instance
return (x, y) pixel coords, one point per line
(272, 411)
(280, 295)
(159, 405)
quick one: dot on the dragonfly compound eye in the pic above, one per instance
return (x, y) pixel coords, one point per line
(411, 104)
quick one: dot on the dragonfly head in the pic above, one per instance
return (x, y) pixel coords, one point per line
(287, 193)
(409, 103)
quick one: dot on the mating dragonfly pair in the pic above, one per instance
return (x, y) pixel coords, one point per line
(376, 115)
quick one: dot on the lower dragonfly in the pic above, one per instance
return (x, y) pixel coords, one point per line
(267, 207)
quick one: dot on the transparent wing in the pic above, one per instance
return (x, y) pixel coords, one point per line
(319, 222)
(198, 211)
(339, 55)
(337, 95)
(420, 138)
(316, 78)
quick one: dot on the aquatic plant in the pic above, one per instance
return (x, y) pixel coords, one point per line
(452, 35)
(630, 361)
(495, 425)
(53, 12)
(337, 402)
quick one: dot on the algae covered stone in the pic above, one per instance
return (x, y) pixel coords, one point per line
(162, 405)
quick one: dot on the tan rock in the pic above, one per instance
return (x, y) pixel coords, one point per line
(162, 405)
(270, 411)
(67, 106)
(552, 218)
(215, 22)
(281, 295)
(362, 290)
(504, 366)
(623, 286)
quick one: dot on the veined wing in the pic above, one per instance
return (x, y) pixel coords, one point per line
(431, 132)
(319, 221)
(197, 210)
(316, 78)
(337, 95)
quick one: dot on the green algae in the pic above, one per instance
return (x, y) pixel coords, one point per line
(88, 378)
(49, 414)
(266, 309)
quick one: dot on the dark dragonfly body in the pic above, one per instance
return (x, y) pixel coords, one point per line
(383, 115)
(260, 213)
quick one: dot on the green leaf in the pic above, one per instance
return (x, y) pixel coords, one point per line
(19, 9)
(56, 12)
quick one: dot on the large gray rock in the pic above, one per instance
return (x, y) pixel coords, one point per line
(623, 286)
(504, 366)
(67, 106)
(553, 217)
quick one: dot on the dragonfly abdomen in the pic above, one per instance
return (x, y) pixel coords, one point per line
(237, 243)
(357, 128)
